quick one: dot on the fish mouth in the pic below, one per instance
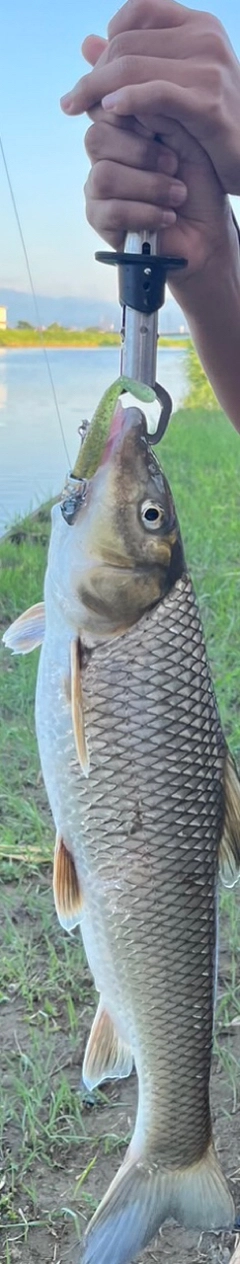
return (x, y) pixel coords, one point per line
(125, 421)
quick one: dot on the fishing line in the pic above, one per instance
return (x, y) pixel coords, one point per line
(37, 313)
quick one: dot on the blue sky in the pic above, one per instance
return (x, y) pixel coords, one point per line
(40, 56)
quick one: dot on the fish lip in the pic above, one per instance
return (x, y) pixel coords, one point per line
(124, 421)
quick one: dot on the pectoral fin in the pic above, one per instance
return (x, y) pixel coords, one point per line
(107, 1056)
(229, 855)
(77, 709)
(27, 632)
(66, 886)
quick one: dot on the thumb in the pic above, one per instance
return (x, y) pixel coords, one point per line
(92, 48)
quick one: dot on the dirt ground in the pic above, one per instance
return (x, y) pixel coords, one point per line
(44, 1205)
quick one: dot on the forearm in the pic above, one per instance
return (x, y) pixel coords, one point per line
(210, 300)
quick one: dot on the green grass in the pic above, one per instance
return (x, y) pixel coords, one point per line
(200, 393)
(22, 565)
(56, 336)
(201, 457)
(46, 996)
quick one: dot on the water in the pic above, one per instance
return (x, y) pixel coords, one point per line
(33, 462)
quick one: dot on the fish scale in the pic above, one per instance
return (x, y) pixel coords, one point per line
(177, 787)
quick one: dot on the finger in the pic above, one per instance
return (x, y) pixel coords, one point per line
(169, 43)
(93, 47)
(112, 219)
(160, 146)
(97, 114)
(115, 180)
(161, 16)
(128, 70)
(174, 137)
(156, 13)
(129, 123)
(157, 99)
(128, 148)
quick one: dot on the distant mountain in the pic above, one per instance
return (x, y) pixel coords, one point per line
(79, 313)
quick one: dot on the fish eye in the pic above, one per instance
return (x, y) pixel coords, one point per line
(152, 515)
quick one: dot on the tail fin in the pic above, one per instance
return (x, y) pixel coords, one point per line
(143, 1195)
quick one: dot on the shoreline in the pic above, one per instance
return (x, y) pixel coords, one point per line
(39, 344)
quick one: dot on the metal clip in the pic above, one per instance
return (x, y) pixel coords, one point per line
(73, 495)
(83, 429)
(165, 414)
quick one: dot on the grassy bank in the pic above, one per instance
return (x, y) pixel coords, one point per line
(58, 1153)
(55, 336)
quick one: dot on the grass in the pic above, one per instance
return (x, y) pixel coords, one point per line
(55, 1148)
(201, 457)
(56, 336)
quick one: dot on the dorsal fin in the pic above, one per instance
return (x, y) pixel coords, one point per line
(27, 632)
(77, 709)
(66, 886)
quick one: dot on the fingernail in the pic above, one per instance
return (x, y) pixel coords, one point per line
(177, 192)
(110, 101)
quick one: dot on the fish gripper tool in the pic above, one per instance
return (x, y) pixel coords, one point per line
(142, 274)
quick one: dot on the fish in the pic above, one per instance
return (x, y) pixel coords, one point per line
(145, 798)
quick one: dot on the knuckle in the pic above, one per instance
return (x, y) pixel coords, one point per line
(94, 220)
(114, 214)
(105, 216)
(218, 43)
(90, 141)
(101, 179)
(91, 213)
(117, 46)
(94, 140)
(124, 69)
(98, 217)
(215, 95)
(215, 28)
(87, 194)
(138, 10)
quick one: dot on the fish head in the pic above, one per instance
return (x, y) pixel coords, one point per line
(120, 551)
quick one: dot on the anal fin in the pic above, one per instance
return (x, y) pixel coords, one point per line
(66, 887)
(107, 1056)
(229, 854)
(77, 709)
(27, 632)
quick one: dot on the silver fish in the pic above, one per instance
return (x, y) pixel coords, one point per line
(146, 802)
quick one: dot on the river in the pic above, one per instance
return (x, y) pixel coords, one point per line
(33, 463)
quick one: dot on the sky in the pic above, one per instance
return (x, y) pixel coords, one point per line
(48, 165)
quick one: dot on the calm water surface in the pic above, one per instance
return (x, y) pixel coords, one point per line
(33, 463)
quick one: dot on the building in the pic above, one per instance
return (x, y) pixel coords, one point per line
(3, 318)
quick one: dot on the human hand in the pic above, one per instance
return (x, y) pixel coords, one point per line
(131, 184)
(124, 167)
(168, 61)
